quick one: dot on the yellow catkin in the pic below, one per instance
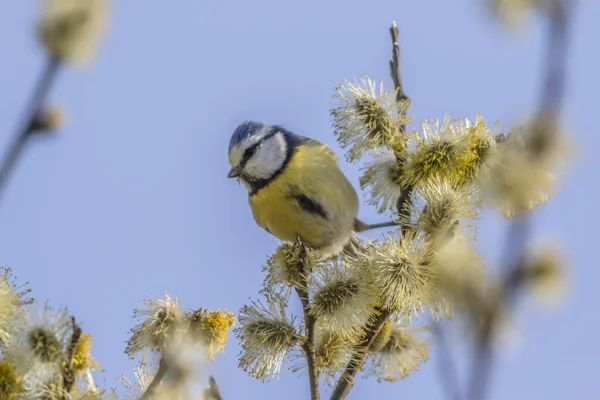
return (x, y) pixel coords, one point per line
(10, 384)
(82, 358)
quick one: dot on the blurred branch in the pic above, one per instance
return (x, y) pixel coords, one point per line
(33, 111)
(447, 370)
(552, 95)
(309, 321)
(213, 392)
(163, 368)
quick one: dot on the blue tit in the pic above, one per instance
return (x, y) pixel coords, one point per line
(296, 187)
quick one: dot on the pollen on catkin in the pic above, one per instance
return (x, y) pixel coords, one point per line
(521, 173)
(161, 323)
(382, 177)
(82, 357)
(10, 383)
(39, 348)
(451, 149)
(332, 350)
(513, 13)
(382, 337)
(461, 273)
(435, 152)
(477, 146)
(12, 302)
(343, 298)
(545, 275)
(402, 272)
(283, 272)
(9, 309)
(210, 330)
(266, 335)
(366, 120)
(402, 355)
(438, 203)
(71, 29)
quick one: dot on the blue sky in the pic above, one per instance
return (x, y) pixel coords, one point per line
(130, 199)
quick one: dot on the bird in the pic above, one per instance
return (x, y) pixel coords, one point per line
(296, 188)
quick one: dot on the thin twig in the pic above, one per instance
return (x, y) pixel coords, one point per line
(309, 321)
(360, 226)
(32, 112)
(551, 97)
(68, 374)
(396, 71)
(404, 201)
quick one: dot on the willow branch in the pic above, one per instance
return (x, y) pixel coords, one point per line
(163, 368)
(309, 321)
(404, 201)
(32, 113)
(360, 226)
(552, 95)
(346, 381)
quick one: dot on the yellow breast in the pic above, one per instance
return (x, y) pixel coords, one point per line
(310, 199)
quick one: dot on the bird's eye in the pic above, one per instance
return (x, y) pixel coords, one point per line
(250, 151)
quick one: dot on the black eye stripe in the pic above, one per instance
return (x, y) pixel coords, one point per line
(250, 152)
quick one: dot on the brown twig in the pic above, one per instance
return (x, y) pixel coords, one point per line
(309, 321)
(404, 201)
(346, 381)
(360, 226)
(34, 108)
(68, 375)
(551, 97)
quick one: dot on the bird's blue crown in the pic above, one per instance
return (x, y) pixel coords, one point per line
(243, 131)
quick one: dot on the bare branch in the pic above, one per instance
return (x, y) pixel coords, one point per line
(34, 108)
(403, 202)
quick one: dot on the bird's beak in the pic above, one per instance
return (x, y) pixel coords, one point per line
(234, 172)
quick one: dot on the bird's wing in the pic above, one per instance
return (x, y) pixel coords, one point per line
(324, 147)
